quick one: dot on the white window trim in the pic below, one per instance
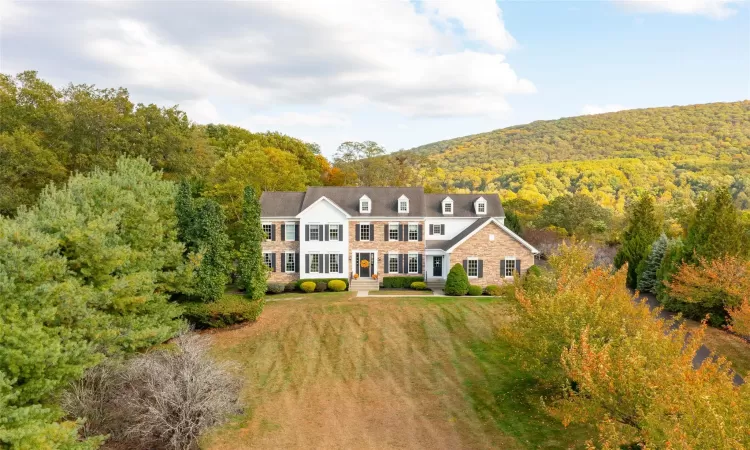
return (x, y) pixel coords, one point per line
(448, 202)
(392, 257)
(472, 258)
(362, 200)
(480, 201)
(390, 226)
(408, 262)
(331, 227)
(505, 266)
(331, 258)
(289, 258)
(320, 262)
(317, 227)
(287, 226)
(263, 226)
(368, 231)
(433, 227)
(270, 259)
(404, 199)
(408, 233)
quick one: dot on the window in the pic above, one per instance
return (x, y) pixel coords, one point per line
(314, 263)
(268, 260)
(333, 232)
(314, 232)
(392, 263)
(413, 232)
(510, 267)
(448, 206)
(364, 232)
(333, 263)
(364, 205)
(413, 263)
(393, 232)
(481, 207)
(268, 229)
(435, 229)
(289, 232)
(289, 263)
(472, 268)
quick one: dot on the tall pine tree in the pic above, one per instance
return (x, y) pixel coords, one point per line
(643, 229)
(215, 250)
(185, 211)
(252, 271)
(647, 268)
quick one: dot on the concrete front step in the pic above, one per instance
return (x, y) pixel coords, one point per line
(364, 285)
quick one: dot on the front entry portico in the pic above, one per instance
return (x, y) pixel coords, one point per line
(363, 263)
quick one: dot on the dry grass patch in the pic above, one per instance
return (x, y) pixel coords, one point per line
(383, 373)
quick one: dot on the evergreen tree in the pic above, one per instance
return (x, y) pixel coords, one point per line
(457, 282)
(716, 229)
(648, 267)
(215, 251)
(185, 212)
(643, 229)
(512, 222)
(252, 271)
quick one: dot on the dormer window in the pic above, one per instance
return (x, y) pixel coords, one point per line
(403, 205)
(364, 205)
(480, 206)
(447, 205)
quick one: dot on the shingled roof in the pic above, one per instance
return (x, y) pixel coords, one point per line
(384, 202)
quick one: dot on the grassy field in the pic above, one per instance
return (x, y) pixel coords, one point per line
(333, 371)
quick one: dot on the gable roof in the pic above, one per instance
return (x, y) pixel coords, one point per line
(384, 202)
(324, 198)
(450, 245)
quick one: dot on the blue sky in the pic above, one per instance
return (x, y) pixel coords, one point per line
(396, 72)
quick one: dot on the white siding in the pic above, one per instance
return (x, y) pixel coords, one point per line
(453, 226)
(323, 213)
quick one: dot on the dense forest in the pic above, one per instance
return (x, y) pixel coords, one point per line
(674, 152)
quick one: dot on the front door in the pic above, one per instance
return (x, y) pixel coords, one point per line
(364, 265)
(437, 266)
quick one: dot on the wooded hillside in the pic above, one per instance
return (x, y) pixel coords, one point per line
(674, 152)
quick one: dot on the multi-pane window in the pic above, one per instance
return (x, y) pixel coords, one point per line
(413, 263)
(333, 232)
(403, 206)
(314, 263)
(289, 262)
(289, 232)
(333, 263)
(447, 208)
(393, 232)
(413, 232)
(472, 268)
(364, 232)
(509, 267)
(268, 229)
(364, 206)
(434, 229)
(268, 260)
(480, 207)
(392, 263)
(314, 233)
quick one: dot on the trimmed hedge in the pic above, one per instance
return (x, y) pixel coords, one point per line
(308, 286)
(323, 280)
(291, 286)
(321, 286)
(493, 290)
(400, 282)
(275, 288)
(228, 310)
(419, 286)
(475, 290)
(457, 282)
(336, 286)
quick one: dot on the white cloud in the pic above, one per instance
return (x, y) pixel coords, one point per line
(293, 119)
(419, 59)
(201, 111)
(718, 9)
(601, 109)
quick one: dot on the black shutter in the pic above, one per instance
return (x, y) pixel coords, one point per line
(320, 232)
(480, 268)
(273, 262)
(273, 232)
(518, 266)
(385, 232)
(307, 263)
(356, 231)
(296, 232)
(419, 233)
(465, 263)
(341, 263)
(326, 233)
(325, 262)
(400, 263)
(341, 232)
(419, 263)
(401, 232)
(296, 262)
(385, 263)
(307, 232)
(442, 229)
(283, 232)
(429, 230)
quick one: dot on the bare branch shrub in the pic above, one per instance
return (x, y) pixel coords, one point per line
(161, 400)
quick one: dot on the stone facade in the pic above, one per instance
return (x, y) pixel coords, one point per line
(492, 252)
(278, 247)
(379, 242)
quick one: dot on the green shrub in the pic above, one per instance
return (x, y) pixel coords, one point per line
(534, 271)
(308, 286)
(400, 282)
(419, 286)
(475, 290)
(275, 288)
(317, 280)
(493, 290)
(336, 286)
(457, 282)
(291, 286)
(321, 286)
(228, 310)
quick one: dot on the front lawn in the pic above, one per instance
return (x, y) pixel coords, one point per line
(342, 372)
(387, 292)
